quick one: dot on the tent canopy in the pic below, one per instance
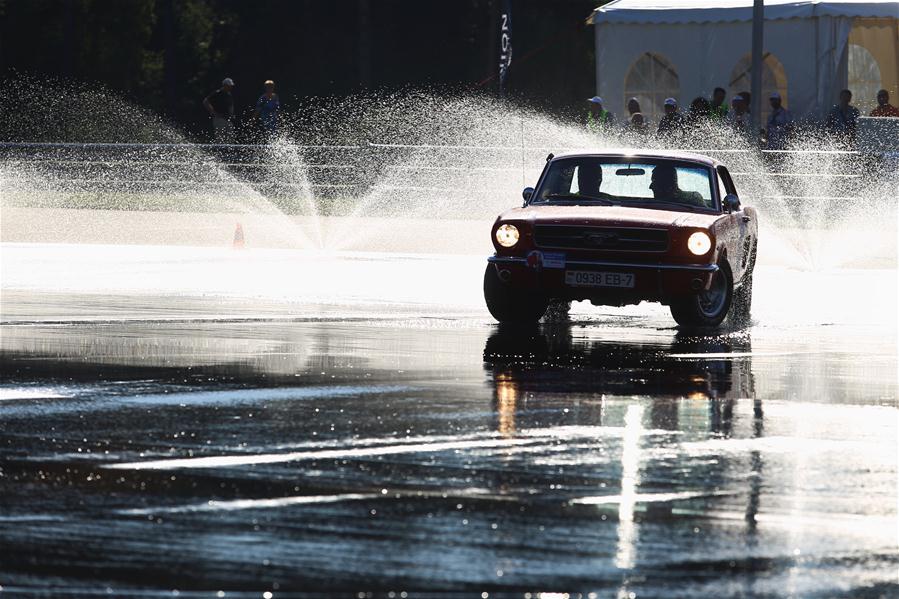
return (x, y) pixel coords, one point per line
(702, 11)
(653, 49)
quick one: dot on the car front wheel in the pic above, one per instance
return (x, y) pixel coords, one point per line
(509, 305)
(709, 307)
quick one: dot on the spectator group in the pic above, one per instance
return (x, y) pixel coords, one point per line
(842, 120)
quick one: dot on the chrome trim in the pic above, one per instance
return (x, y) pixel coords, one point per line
(602, 263)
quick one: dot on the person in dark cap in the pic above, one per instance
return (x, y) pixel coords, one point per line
(220, 105)
(738, 117)
(673, 122)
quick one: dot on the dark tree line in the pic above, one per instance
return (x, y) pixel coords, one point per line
(167, 55)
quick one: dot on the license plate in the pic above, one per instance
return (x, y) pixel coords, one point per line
(590, 278)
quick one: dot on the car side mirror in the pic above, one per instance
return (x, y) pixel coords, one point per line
(731, 202)
(526, 194)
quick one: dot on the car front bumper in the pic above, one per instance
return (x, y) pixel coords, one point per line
(652, 282)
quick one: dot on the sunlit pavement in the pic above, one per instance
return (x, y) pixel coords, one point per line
(207, 421)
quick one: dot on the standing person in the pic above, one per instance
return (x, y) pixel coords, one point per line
(633, 107)
(700, 111)
(843, 118)
(747, 97)
(747, 102)
(635, 123)
(673, 122)
(598, 118)
(267, 107)
(220, 105)
(884, 108)
(780, 124)
(738, 118)
(719, 106)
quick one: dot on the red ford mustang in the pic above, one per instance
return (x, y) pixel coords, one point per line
(619, 228)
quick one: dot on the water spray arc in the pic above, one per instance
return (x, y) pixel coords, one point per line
(388, 172)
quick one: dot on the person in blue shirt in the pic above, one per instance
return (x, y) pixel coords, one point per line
(267, 107)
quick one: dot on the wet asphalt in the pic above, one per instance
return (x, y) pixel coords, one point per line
(425, 452)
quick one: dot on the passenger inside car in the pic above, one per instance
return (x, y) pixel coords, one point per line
(664, 187)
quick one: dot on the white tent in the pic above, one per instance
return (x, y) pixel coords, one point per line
(652, 49)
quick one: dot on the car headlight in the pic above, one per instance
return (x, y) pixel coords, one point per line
(699, 243)
(507, 235)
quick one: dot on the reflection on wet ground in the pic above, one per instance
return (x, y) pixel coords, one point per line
(441, 453)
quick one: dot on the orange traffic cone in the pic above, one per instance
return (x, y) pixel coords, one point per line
(238, 236)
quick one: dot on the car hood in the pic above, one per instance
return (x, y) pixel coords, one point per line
(609, 215)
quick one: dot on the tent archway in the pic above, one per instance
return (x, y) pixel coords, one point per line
(864, 77)
(651, 78)
(774, 79)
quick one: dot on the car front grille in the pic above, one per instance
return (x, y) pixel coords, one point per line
(619, 239)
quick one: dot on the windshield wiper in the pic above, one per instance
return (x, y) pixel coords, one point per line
(578, 196)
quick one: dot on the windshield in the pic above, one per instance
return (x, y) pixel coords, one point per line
(611, 181)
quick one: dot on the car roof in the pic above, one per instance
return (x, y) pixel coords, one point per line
(633, 153)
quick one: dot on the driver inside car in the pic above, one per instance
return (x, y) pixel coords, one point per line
(589, 178)
(664, 187)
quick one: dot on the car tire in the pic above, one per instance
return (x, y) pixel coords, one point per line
(511, 306)
(741, 309)
(709, 308)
